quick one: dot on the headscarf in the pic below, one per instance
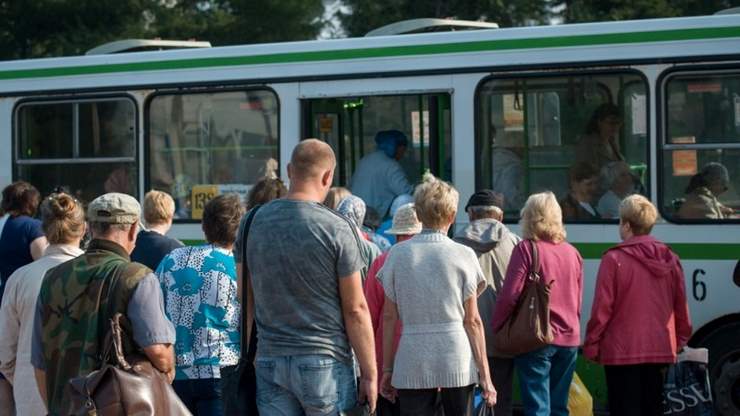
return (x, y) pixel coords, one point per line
(353, 208)
(389, 140)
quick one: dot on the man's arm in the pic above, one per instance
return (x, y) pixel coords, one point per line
(360, 333)
(40, 376)
(153, 332)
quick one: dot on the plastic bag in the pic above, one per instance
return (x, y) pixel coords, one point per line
(686, 391)
(580, 402)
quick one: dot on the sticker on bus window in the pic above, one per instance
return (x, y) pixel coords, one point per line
(201, 194)
(326, 124)
(700, 87)
(199, 197)
(684, 163)
(737, 110)
(416, 129)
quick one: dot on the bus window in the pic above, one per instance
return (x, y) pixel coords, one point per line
(86, 147)
(350, 126)
(701, 150)
(204, 144)
(582, 136)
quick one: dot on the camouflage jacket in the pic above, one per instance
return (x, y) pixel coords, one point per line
(77, 299)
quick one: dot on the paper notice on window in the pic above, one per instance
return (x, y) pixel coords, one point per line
(416, 133)
(684, 163)
(737, 111)
(639, 114)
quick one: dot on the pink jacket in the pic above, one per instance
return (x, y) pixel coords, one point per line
(639, 314)
(559, 263)
(375, 296)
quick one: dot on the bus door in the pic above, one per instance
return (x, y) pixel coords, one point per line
(349, 125)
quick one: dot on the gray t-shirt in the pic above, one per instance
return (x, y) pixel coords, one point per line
(296, 253)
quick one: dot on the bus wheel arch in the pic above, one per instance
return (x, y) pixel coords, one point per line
(722, 338)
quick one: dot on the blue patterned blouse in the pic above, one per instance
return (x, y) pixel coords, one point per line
(200, 294)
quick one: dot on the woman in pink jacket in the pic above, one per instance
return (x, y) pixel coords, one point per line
(639, 318)
(545, 374)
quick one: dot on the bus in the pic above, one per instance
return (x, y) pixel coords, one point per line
(204, 121)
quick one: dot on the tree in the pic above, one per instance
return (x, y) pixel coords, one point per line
(224, 22)
(37, 28)
(365, 15)
(603, 10)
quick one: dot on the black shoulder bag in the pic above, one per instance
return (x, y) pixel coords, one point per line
(239, 382)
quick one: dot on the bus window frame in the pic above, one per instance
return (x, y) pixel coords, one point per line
(661, 83)
(554, 73)
(61, 99)
(194, 90)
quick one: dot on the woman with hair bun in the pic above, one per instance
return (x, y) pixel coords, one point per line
(63, 222)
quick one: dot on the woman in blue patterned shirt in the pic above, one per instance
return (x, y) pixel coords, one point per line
(200, 292)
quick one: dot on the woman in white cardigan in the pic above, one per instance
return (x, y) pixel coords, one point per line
(432, 283)
(63, 222)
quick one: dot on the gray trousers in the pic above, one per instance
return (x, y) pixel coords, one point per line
(502, 374)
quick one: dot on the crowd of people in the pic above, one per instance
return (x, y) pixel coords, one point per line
(400, 317)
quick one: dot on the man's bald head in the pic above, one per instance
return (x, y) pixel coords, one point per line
(311, 158)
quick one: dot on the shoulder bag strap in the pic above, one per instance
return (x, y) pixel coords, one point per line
(535, 258)
(246, 344)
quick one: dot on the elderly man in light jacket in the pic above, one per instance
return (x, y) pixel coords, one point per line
(493, 244)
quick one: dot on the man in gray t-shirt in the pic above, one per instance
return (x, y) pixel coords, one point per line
(304, 267)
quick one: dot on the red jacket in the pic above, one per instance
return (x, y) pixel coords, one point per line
(563, 266)
(375, 296)
(639, 314)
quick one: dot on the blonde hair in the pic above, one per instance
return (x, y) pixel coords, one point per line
(639, 213)
(62, 218)
(159, 208)
(335, 196)
(435, 202)
(542, 218)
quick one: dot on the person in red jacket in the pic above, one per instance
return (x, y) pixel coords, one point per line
(640, 317)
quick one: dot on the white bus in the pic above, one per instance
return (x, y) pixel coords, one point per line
(202, 121)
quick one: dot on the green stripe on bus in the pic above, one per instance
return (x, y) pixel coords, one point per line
(686, 251)
(387, 51)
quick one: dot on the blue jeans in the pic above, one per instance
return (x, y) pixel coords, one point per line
(311, 385)
(201, 396)
(544, 379)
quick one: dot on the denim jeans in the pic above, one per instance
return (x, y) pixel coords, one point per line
(311, 385)
(544, 379)
(201, 396)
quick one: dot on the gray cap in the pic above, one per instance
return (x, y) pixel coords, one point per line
(114, 208)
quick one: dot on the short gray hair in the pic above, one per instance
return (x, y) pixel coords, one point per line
(104, 228)
(485, 211)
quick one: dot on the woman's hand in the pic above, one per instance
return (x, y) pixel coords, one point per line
(386, 389)
(489, 392)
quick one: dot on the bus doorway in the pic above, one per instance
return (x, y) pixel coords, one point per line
(349, 126)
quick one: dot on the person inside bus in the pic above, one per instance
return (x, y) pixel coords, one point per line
(702, 193)
(507, 171)
(600, 145)
(617, 179)
(379, 178)
(584, 184)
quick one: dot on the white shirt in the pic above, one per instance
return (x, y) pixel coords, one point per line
(16, 326)
(379, 179)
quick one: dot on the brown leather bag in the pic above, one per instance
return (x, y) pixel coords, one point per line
(131, 386)
(528, 326)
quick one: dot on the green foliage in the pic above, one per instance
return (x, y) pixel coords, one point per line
(604, 10)
(365, 15)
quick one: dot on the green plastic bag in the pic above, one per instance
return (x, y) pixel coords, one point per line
(580, 402)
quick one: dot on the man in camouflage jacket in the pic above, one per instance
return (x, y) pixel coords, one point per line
(78, 298)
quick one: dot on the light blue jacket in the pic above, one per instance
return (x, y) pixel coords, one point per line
(378, 179)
